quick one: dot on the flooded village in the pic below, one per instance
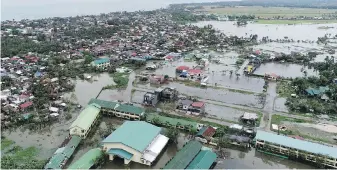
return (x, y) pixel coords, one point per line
(190, 86)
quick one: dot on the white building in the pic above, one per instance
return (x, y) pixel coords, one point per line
(135, 141)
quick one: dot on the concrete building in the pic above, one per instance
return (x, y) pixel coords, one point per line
(296, 149)
(192, 156)
(116, 109)
(84, 122)
(101, 63)
(135, 141)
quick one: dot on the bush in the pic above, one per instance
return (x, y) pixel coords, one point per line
(68, 116)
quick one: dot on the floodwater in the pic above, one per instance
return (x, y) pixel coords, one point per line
(88, 89)
(222, 112)
(273, 31)
(284, 70)
(287, 48)
(214, 94)
(219, 74)
(255, 160)
(280, 106)
(46, 140)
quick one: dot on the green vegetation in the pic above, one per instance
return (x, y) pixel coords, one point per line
(260, 11)
(277, 119)
(19, 158)
(240, 61)
(121, 80)
(172, 134)
(284, 89)
(295, 21)
(5, 143)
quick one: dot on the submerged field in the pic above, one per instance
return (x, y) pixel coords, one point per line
(269, 11)
(295, 21)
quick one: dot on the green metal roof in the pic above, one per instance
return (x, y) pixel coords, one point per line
(117, 106)
(135, 134)
(101, 61)
(87, 160)
(64, 153)
(170, 121)
(130, 109)
(87, 117)
(201, 131)
(103, 103)
(203, 160)
(185, 156)
(121, 153)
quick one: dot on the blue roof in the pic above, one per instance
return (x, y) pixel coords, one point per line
(121, 153)
(38, 74)
(101, 60)
(135, 134)
(298, 144)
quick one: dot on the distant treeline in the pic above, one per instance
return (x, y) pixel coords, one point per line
(327, 4)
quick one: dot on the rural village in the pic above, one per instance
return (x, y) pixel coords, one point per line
(183, 87)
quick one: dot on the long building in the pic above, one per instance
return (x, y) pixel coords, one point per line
(84, 122)
(136, 141)
(124, 111)
(88, 160)
(295, 148)
(192, 156)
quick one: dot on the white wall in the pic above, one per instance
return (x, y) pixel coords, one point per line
(136, 154)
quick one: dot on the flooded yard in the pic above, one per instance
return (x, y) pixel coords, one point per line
(273, 31)
(222, 95)
(285, 70)
(222, 112)
(279, 105)
(87, 89)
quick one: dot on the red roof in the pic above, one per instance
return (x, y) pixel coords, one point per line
(209, 132)
(198, 104)
(169, 57)
(183, 68)
(25, 105)
(194, 71)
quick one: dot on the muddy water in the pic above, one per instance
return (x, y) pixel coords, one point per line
(295, 32)
(47, 140)
(221, 112)
(280, 106)
(256, 160)
(116, 94)
(87, 89)
(214, 94)
(285, 70)
(219, 74)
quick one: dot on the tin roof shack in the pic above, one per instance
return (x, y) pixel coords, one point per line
(197, 108)
(318, 92)
(169, 93)
(205, 134)
(180, 69)
(249, 118)
(151, 99)
(184, 105)
(241, 141)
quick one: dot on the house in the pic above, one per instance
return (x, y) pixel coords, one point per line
(249, 117)
(316, 91)
(157, 79)
(205, 134)
(197, 108)
(101, 63)
(192, 156)
(184, 104)
(151, 99)
(136, 141)
(26, 105)
(85, 121)
(180, 69)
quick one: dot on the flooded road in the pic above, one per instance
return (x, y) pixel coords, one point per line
(273, 31)
(221, 112)
(280, 105)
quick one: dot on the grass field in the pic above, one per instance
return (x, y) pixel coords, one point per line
(269, 11)
(295, 21)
